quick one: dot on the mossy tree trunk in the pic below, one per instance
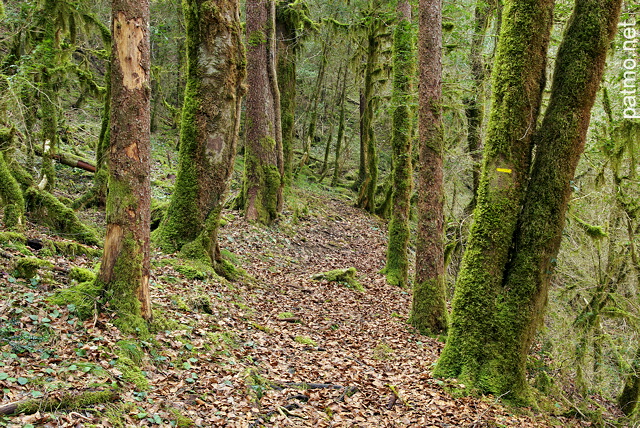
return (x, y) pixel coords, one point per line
(312, 110)
(209, 129)
(429, 311)
(475, 104)
(49, 102)
(263, 183)
(397, 266)
(124, 272)
(11, 198)
(341, 124)
(502, 288)
(368, 169)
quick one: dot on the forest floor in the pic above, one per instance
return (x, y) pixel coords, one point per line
(272, 349)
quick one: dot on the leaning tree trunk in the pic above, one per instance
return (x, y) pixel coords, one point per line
(209, 129)
(263, 183)
(518, 82)
(429, 311)
(397, 267)
(124, 272)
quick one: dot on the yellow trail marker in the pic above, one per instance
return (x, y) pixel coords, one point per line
(507, 170)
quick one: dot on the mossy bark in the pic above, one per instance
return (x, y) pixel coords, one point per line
(368, 169)
(397, 266)
(429, 311)
(475, 104)
(341, 125)
(11, 198)
(124, 272)
(518, 81)
(498, 308)
(263, 183)
(287, 38)
(49, 107)
(209, 128)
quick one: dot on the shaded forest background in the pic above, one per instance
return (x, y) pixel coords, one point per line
(54, 75)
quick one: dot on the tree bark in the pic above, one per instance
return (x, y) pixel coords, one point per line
(262, 191)
(429, 312)
(397, 266)
(494, 323)
(518, 82)
(124, 272)
(209, 129)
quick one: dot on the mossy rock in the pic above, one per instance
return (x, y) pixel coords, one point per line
(69, 248)
(346, 276)
(27, 267)
(191, 273)
(81, 274)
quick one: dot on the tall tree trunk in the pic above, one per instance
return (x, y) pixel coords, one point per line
(286, 69)
(209, 129)
(263, 183)
(474, 105)
(312, 110)
(340, 136)
(397, 267)
(494, 323)
(559, 145)
(518, 82)
(369, 159)
(429, 311)
(124, 272)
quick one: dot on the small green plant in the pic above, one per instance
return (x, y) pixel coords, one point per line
(285, 315)
(304, 340)
(382, 351)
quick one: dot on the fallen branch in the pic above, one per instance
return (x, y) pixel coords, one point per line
(65, 401)
(69, 160)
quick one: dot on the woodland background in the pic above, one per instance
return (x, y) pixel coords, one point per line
(581, 360)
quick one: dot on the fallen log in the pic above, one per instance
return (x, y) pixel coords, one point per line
(69, 160)
(65, 401)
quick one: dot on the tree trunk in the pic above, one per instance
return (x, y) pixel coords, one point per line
(518, 81)
(262, 191)
(397, 267)
(286, 69)
(11, 198)
(474, 105)
(209, 129)
(369, 159)
(340, 136)
(429, 311)
(124, 272)
(498, 306)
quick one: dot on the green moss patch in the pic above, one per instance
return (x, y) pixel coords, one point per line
(345, 276)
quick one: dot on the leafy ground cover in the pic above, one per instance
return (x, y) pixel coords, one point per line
(276, 348)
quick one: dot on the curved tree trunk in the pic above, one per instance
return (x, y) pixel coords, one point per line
(124, 272)
(209, 129)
